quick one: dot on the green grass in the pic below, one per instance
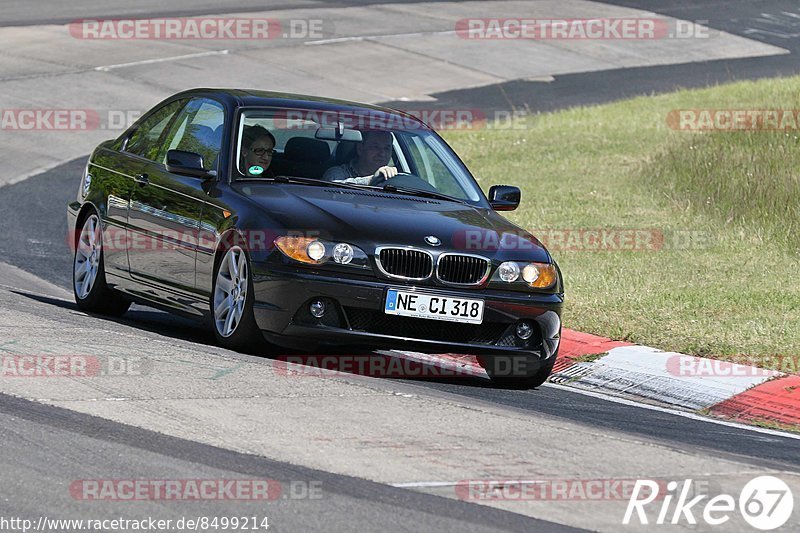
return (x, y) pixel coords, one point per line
(589, 358)
(759, 422)
(735, 290)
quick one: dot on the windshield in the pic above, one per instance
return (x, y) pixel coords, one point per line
(335, 147)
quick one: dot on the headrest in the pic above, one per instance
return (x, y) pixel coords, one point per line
(204, 134)
(345, 152)
(303, 148)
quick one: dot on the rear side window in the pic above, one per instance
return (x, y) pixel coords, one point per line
(197, 129)
(144, 141)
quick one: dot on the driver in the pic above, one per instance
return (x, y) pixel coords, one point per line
(258, 146)
(370, 165)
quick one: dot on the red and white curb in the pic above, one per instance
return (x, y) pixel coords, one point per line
(599, 365)
(740, 392)
(649, 373)
(774, 401)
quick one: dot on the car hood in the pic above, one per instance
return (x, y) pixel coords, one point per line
(373, 218)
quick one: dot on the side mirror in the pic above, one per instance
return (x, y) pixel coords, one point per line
(504, 197)
(188, 164)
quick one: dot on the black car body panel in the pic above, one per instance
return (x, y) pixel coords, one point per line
(183, 222)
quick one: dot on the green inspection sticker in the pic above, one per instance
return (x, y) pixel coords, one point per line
(255, 170)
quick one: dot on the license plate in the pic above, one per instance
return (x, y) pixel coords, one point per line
(433, 306)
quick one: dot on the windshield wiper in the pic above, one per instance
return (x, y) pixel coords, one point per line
(344, 185)
(422, 192)
(309, 181)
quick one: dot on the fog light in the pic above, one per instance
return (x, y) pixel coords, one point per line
(508, 271)
(316, 250)
(317, 309)
(524, 330)
(342, 253)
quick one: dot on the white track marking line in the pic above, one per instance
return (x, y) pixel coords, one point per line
(356, 38)
(424, 484)
(684, 414)
(106, 68)
(541, 481)
(39, 170)
(435, 484)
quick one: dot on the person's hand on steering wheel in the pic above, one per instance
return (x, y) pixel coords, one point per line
(383, 174)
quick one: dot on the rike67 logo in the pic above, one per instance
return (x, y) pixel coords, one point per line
(765, 503)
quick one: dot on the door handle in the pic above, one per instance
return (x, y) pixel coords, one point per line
(142, 179)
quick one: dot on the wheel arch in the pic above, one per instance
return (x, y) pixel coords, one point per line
(227, 239)
(83, 214)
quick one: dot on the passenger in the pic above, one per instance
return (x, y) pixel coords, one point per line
(258, 146)
(370, 165)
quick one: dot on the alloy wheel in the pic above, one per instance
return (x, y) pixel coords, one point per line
(87, 256)
(230, 291)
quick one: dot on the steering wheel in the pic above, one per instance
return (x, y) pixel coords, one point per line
(405, 180)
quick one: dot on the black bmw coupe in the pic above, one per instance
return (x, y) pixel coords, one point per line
(310, 224)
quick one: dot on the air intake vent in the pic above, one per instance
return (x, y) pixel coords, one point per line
(462, 269)
(353, 192)
(405, 263)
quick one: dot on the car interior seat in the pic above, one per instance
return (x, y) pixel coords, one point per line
(303, 157)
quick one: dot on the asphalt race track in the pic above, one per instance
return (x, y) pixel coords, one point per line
(386, 453)
(77, 439)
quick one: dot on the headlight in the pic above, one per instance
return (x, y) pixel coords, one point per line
(298, 248)
(342, 253)
(540, 275)
(314, 251)
(534, 275)
(530, 273)
(508, 271)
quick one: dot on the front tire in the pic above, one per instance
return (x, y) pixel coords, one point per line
(232, 303)
(510, 371)
(89, 287)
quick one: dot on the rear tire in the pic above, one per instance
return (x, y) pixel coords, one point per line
(231, 303)
(89, 287)
(497, 368)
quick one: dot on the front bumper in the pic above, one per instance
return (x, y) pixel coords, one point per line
(355, 316)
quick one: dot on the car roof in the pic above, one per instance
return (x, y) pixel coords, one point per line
(258, 98)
